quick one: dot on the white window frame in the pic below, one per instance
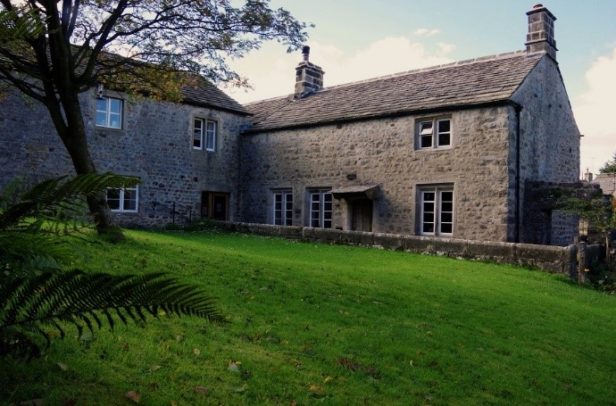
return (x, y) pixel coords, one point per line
(200, 134)
(320, 214)
(121, 209)
(435, 133)
(210, 135)
(438, 211)
(207, 136)
(284, 213)
(108, 113)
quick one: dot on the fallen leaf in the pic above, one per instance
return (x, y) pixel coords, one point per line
(134, 396)
(316, 390)
(154, 368)
(174, 403)
(179, 338)
(62, 366)
(196, 351)
(202, 390)
(234, 366)
(241, 389)
(328, 379)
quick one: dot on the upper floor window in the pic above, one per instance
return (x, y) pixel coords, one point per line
(435, 133)
(109, 112)
(204, 132)
(283, 207)
(198, 130)
(124, 200)
(436, 210)
(320, 208)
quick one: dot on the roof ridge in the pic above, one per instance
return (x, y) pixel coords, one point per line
(268, 99)
(486, 58)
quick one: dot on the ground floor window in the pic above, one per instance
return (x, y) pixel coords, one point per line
(283, 207)
(124, 200)
(436, 210)
(320, 208)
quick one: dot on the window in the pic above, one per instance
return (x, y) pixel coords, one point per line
(109, 112)
(204, 129)
(434, 133)
(211, 136)
(124, 200)
(198, 133)
(320, 208)
(283, 208)
(436, 210)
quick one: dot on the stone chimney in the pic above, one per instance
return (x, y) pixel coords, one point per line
(540, 35)
(309, 77)
(588, 176)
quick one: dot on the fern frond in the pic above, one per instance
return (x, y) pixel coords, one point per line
(88, 301)
(59, 197)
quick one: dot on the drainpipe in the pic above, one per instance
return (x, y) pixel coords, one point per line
(518, 147)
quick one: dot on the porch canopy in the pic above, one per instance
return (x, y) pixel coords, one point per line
(358, 191)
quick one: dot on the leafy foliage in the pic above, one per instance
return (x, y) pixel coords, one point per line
(34, 292)
(84, 37)
(610, 166)
(28, 304)
(58, 198)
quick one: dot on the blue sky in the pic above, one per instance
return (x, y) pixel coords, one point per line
(354, 40)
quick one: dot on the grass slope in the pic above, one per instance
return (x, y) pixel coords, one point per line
(343, 325)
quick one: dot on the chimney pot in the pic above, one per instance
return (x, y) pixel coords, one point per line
(306, 53)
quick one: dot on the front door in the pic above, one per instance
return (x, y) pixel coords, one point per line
(215, 205)
(220, 203)
(361, 215)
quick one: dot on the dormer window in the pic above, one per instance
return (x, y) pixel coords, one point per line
(109, 112)
(435, 133)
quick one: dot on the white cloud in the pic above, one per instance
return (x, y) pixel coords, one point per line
(594, 111)
(272, 73)
(426, 32)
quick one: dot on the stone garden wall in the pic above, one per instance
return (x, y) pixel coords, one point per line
(544, 257)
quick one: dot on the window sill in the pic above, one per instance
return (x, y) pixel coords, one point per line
(110, 130)
(434, 149)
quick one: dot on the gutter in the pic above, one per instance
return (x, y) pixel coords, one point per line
(518, 147)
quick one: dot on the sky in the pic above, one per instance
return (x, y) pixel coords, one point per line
(360, 39)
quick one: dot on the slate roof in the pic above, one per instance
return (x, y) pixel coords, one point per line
(206, 94)
(466, 83)
(607, 182)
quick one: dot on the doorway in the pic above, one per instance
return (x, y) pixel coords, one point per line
(215, 205)
(361, 215)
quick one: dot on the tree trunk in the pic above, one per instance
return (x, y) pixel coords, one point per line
(77, 148)
(71, 129)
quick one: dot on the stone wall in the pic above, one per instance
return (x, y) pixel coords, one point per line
(550, 148)
(155, 144)
(382, 152)
(543, 257)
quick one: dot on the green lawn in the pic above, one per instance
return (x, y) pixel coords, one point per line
(315, 323)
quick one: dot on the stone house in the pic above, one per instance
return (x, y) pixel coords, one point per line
(448, 151)
(607, 183)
